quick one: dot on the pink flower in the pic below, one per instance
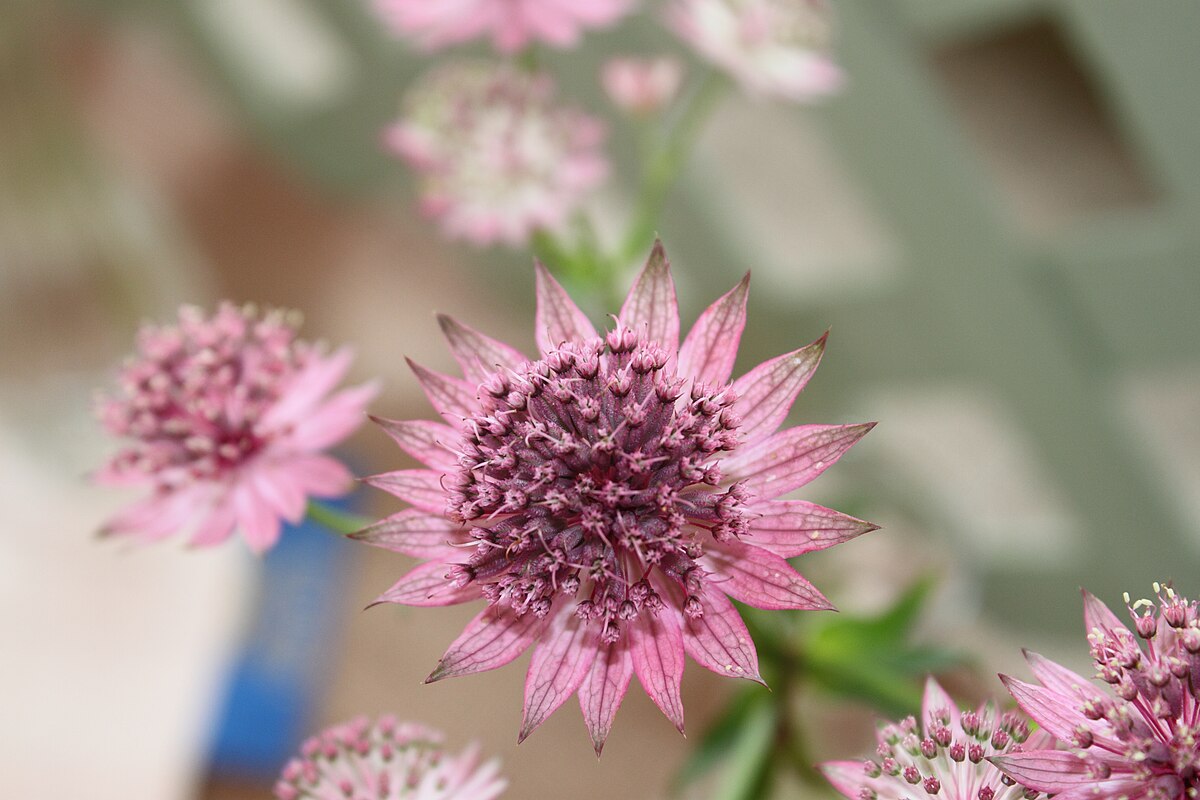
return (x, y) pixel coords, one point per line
(947, 756)
(1144, 742)
(497, 158)
(642, 86)
(511, 24)
(225, 419)
(608, 498)
(386, 761)
(773, 48)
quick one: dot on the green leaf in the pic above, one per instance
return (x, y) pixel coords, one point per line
(750, 770)
(870, 658)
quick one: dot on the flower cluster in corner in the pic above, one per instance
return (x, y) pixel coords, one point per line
(498, 158)
(510, 24)
(772, 48)
(945, 756)
(1142, 740)
(607, 498)
(224, 420)
(386, 760)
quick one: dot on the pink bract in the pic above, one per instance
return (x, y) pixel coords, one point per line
(386, 760)
(498, 158)
(945, 755)
(225, 419)
(772, 48)
(608, 498)
(511, 24)
(1141, 740)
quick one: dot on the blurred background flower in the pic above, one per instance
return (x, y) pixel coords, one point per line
(995, 215)
(386, 760)
(497, 154)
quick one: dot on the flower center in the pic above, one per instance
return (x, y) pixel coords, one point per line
(588, 469)
(191, 402)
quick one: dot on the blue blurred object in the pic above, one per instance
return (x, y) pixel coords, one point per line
(273, 684)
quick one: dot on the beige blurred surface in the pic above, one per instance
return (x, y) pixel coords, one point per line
(242, 223)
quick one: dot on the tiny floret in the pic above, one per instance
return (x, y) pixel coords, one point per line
(945, 755)
(224, 419)
(386, 760)
(1141, 737)
(607, 498)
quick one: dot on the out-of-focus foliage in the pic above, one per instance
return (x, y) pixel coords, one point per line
(871, 659)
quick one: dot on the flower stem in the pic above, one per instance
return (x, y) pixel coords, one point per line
(665, 159)
(335, 520)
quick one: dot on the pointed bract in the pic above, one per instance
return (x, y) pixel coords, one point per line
(651, 308)
(710, 349)
(765, 394)
(427, 441)
(558, 319)
(791, 528)
(478, 355)
(494, 638)
(602, 690)
(561, 660)
(791, 458)
(656, 647)
(414, 533)
(762, 579)
(426, 585)
(451, 397)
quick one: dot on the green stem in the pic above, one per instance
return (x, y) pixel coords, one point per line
(335, 521)
(665, 160)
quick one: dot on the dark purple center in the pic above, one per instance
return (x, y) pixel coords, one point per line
(588, 469)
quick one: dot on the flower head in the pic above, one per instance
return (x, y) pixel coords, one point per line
(386, 760)
(946, 755)
(1139, 741)
(497, 157)
(773, 48)
(224, 418)
(641, 86)
(511, 24)
(607, 498)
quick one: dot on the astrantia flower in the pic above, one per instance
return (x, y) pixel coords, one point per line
(641, 86)
(511, 24)
(776, 48)
(945, 756)
(386, 761)
(608, 498)
(497, 157)
(224, 420)
(1141, 740)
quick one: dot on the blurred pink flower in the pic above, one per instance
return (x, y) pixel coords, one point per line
(1143, 743)
(225, 419)
(773, 48)
(612, 495)
(511, 24)
(497, 158)
(641, 86)
(386, 761)
(946, 756)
